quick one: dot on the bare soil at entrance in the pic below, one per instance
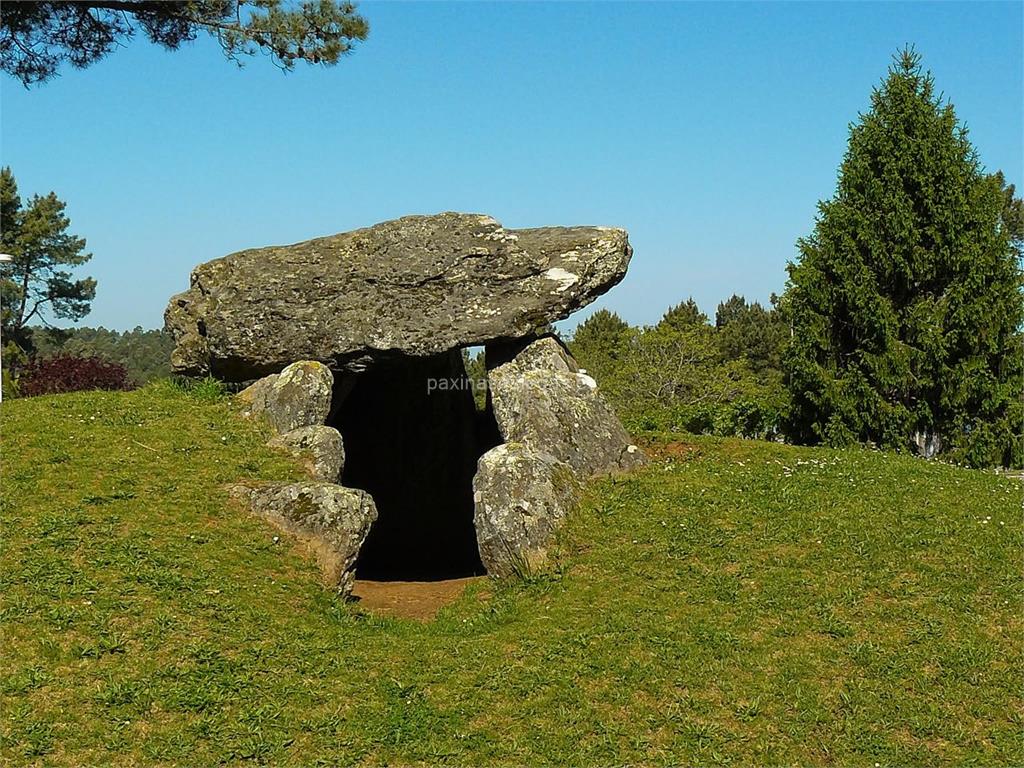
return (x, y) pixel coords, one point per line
(418, 600)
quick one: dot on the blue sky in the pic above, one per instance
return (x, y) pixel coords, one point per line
(709, 131)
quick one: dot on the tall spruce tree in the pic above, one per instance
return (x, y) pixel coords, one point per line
(905, 302)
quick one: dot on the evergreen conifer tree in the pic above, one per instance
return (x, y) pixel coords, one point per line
(683, 315)
(905, 302)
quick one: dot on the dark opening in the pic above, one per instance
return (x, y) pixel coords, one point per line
(412, 443)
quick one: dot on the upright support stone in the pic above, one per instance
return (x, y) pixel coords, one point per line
(299, 396)
(319, 447)
(522, 497)
(542, 398)
(333, 521)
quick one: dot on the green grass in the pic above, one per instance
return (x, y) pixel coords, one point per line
(740, 603)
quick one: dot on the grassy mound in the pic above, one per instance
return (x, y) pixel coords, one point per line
(736, 602)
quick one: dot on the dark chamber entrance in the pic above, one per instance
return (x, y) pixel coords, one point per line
(415, 452)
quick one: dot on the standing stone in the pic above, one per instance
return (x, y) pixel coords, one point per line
(332, 520)
(521, 497)
(542, 398)
(319, 447)
(299, 396)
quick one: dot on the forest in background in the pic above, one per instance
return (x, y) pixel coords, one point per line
(900, 325)
(690, 373)
(144, 354)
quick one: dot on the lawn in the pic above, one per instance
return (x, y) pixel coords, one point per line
(734, 603)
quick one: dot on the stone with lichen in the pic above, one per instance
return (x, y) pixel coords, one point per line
(419, 286)
(542, 398)
(298, 396)
(319, 447)
(521, 498)
(331, 520)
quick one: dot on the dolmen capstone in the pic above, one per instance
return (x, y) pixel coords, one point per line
(352, 350)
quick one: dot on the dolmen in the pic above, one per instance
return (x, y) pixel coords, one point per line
(352, 349)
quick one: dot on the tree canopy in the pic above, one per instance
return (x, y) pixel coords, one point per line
(905, 302)
(37, 38)
(144, 354)
(683, 315)
(684, 373)
(39, 281)
(748, 330)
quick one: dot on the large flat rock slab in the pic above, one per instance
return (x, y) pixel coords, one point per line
(419, 285)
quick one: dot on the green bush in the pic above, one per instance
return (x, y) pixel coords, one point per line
(673, 377)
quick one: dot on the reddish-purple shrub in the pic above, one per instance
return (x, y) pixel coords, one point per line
(70, 373)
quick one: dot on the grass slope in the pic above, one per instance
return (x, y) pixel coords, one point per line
(737, 602)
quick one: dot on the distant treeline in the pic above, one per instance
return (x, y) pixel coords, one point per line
(145, 354)
(688, 373)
